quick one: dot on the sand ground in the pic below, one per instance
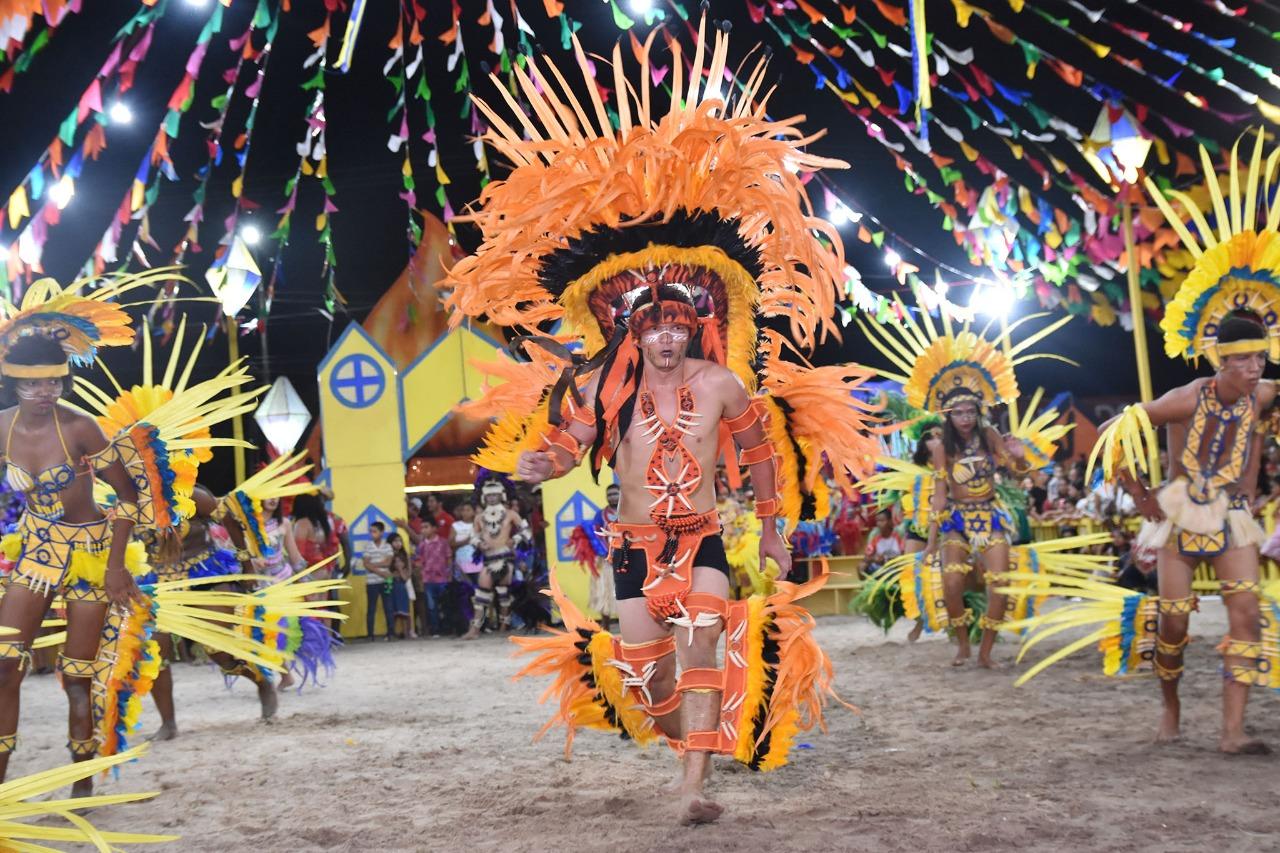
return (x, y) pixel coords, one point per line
(425, 746)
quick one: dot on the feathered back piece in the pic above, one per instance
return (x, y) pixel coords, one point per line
(282, 477)
(81, 323)
(1237, 265)
(704, 193)
(160, 430)
(939, 365)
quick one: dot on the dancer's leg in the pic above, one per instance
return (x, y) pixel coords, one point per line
(1176, 603)
(481, 601)
(84, 634)
(995, 560)
(162, 691)
(700, 709)
(21, 610)
(1242, 649)
(955, 568)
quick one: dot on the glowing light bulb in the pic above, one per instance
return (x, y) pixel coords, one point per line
(641, 7)
(892, 258)
(251, 234)
(61, 192)
(120, 113)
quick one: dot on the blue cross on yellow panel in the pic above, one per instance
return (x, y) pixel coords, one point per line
(357, 381)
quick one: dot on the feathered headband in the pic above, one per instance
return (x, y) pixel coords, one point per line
(1237, 267)
(80, 324)
(943, 367)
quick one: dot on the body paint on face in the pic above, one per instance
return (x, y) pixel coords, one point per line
(35, 389)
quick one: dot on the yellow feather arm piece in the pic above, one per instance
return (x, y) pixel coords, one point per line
(1124, 621)
(913, 483)
(1129, 441)
(509, 436)
(185, 609)
(17, 804)
(161, 434)
(279, 478)
(1038, 432)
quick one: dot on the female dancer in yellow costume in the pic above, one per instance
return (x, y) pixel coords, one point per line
(68, 545)
(960, 375)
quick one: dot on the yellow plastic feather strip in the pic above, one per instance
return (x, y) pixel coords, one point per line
(16, 805)
(1130, 441)
(1094, 601)
(1038, 432)
(279, 478)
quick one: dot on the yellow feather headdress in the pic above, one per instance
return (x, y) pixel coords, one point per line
(1237, 266)
(939, 366)
(80, 323)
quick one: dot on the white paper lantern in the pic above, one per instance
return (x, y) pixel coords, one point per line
(282, 416)
(234, 277)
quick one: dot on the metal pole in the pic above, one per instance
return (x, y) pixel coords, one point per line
(237, 424)
(1135, 306)
(1139, 325)
(1006, 345)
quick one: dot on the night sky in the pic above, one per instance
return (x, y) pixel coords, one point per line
(369, 228)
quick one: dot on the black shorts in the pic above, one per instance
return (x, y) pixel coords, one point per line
(629, 579)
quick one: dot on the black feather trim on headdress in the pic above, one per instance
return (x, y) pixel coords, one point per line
(684, 229)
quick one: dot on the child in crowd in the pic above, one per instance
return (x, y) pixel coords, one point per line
(400, 588)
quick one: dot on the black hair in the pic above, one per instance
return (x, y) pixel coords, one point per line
(951, 436)
(1240, 327)
(922, 455)
(886, 512)
(377, 524)
(32, 350)
(311, 507)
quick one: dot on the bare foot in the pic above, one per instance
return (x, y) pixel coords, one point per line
(915, 632)
(472, 634)
(267, 696)
(986, 662)
(1170, 729)
(696, 808)
(962, 656)
(167, 731)
(677, 784)
(286, 681)
(1242, 744)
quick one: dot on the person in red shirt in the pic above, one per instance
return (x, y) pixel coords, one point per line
(436, 513)
(884, 543)
(434, 559)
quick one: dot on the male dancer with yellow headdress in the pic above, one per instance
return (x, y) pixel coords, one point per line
(1228, 311)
